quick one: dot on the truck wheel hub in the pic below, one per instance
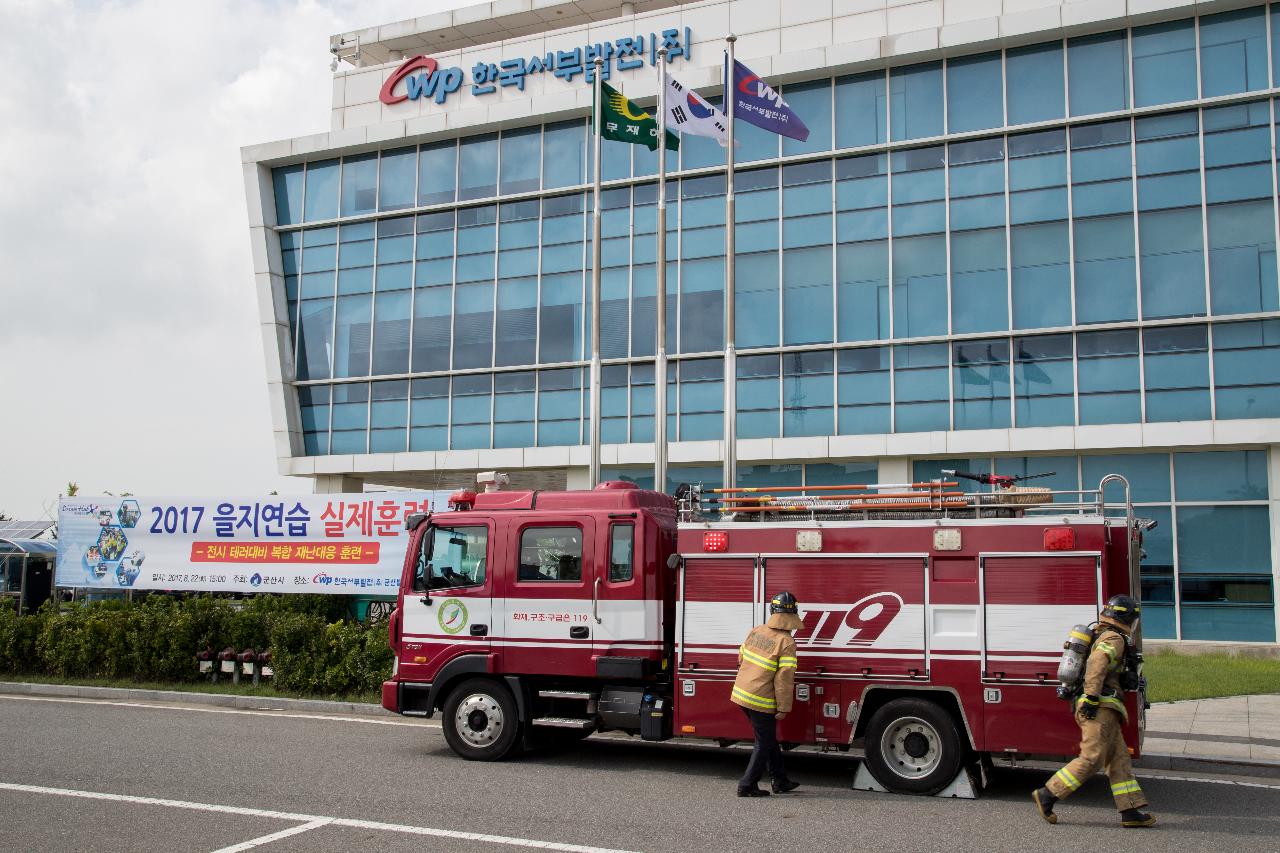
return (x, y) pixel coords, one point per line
(479, 720)
(911, 747)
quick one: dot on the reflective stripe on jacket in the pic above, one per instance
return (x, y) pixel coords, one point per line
(766, 670)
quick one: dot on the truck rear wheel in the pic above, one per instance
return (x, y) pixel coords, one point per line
(913, 746)
(480, 720)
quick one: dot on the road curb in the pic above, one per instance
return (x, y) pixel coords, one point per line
(222, 700)
(1207, 764)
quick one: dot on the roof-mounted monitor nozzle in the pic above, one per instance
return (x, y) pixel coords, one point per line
(493, 481)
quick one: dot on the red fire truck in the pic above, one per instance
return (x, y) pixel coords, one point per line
(933, 618)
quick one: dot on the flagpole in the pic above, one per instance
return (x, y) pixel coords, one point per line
(660, 358)
(593, 470)
(730, 472)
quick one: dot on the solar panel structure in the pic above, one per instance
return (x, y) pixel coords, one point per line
(23, 529)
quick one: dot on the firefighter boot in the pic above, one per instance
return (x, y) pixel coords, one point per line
(753, 791)
(1135, 818)
(1044, 802)
(786, 786)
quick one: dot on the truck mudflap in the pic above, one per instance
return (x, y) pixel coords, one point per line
(391, 696)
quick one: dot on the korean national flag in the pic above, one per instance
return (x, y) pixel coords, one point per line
(688, 112)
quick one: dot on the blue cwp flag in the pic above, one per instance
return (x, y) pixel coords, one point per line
(757, 102)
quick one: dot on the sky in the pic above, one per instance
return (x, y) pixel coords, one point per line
(130, 352)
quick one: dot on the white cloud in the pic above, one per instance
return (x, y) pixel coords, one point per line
(130, 357)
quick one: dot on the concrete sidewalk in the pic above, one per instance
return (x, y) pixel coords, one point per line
(1235, 728)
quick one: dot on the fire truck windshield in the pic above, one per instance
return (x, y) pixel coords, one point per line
(452, 557)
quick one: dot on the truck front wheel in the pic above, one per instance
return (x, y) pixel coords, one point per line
(913, 746)
(480, 720)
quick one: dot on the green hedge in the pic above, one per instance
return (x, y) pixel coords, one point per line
(314, 648)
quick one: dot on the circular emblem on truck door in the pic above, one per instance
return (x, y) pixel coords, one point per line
(452, 616)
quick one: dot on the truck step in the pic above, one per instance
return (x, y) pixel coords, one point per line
(565, 722)
(568, 694)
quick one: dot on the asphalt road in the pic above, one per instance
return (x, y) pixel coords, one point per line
(84, 774)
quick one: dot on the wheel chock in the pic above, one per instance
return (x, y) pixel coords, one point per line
(964, 786)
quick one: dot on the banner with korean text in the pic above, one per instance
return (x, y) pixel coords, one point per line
(341, 544)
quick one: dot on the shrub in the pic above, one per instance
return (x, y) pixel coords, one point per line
(315, 648)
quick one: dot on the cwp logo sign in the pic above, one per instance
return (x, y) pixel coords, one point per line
(432, 81)
(858, 624)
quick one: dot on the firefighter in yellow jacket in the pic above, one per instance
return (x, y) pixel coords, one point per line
(764, 688)
(1101, 715)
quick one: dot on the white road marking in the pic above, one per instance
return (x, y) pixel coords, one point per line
(263, 713)
(275, 836)
(307, 819)
(1210, 781)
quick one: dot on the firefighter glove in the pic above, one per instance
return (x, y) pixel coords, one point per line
(1089, 707)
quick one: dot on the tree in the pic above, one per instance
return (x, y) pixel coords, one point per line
(73, 488)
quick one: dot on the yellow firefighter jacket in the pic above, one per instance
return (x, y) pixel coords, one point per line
(1102, 670)
(767, 666)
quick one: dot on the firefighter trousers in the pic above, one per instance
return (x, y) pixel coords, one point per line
(1102, 746)
(765, 752)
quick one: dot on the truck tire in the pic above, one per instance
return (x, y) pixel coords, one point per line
(481, 721)
(913, 746)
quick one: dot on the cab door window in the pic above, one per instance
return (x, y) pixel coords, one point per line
(551, 554)
(621, 552)
(452, 558)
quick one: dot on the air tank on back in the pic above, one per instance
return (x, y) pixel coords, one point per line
(1075, 651)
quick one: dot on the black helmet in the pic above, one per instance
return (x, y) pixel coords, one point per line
(1122, 608)
(783, 602)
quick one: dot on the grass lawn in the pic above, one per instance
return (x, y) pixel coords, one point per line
(245, 688)
(1171, 676)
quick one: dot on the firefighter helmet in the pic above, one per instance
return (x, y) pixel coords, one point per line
(1122, 608)
(783, 602)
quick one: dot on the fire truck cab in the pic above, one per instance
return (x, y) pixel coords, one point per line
(933, 619)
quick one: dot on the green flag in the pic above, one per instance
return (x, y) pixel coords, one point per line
(623, 121)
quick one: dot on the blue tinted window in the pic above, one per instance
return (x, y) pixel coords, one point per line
(981, 384)
(438, 172)
(1233, 52)
(1237, 155)
(313, 403)
(841, 473)
(351, 344)
(1246, 364)
(389, 416)
(350, 418)
(756, 298)
(1227, 621)
(758, 389)
(517, 321)
(861, 117)
(287, 182)
(429, 414)
(1043, 381)
(315, 338)
(806, 295)
(701, 399)
(432, 328)
(1035, 83)
(920, 388)
(862, 388)
(359, 184)
(915, 93)
(702, 302)
(975, 93)
(478, 167)
(1147, 473)
(322, 190)
(1172, 263)
(521, 154)
(919, 286)
(979, 281)
(561, 317)
(1164, 63)
(1099, 73)
(811, 101)
(1176, 365)
(397, 179)
(764, 476)
(808, 393)
(1109, 376)
(391, 313)
(919, 187)
(1202, 547)
(1221, 475)
(471, 412)
(514, 402)
(862, 271)
(1106, 280)
(559, 407)
(473, 325)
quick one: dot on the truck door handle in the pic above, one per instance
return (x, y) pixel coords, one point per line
(595, 601)
(479, 630)
(579, 632)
